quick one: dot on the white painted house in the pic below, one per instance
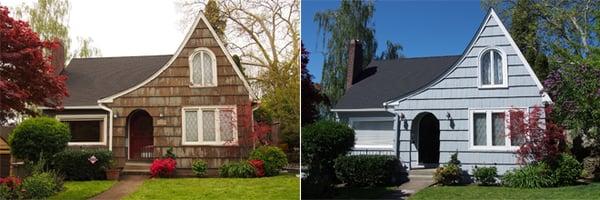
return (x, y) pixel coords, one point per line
(425, 109)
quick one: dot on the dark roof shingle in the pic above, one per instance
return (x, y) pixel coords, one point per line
(90, 79)
(393, 79)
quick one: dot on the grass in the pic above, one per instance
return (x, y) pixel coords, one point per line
(285, 186)
(590, 191)
(364, 193)
(75, 190)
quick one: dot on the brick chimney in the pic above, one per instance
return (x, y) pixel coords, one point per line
(355, 61)
(58, 57)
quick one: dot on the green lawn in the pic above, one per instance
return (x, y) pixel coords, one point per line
(75, 190)
(591, 191)
(285, 186)
(364, 193)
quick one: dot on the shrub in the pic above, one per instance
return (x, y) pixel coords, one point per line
(259, 167)
(447, 175)
(367, 170)
(567, 170)
(485, 175)
(241, 169)
(322, 143)
(26, 139)
(76, 165)
(273, 157)
(163, 167)
(39, 186)
(536, 175)
(170, 154)
(199, 167)
(10, 187)
(454, 159)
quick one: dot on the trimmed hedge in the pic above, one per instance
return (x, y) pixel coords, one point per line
(74, 164)
(273, 157)
(567, 171)
(368, 170)
(39, 136)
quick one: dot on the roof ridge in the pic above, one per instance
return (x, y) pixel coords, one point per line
(421, 57)
(138, 56)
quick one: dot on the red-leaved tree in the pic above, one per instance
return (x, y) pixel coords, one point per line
(26, 75)
(540, 137)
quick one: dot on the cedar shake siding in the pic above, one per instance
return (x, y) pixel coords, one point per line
(169, 92)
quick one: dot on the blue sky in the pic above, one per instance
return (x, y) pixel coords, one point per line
(424, 28)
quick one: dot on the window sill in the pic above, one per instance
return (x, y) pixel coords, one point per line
(201, 86)
(86, 144)
(493, 87)
(221, 144)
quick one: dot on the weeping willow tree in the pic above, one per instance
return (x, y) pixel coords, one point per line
(352, 20)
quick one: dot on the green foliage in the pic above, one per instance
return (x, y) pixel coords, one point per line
(170, 154)
(216, 18)
(454, 159)
(86, 49)
(273, 157)
(199, 167)
(322, 143)
(74, 164)
(537, 175)
(352, 20)
(241, 169)
(391, 51)
(27, 138)
(567, 171)
(368, 170)
(447, 175)
(40, 186)
(485, 175)
(7, 193)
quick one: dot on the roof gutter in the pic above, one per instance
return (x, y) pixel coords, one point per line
(110, 124)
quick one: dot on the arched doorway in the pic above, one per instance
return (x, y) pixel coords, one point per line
(140, 131)
(427, 138)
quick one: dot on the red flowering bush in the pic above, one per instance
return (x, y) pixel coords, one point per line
(163, 167)
(541, 139)
(11, 182)
(259, 167)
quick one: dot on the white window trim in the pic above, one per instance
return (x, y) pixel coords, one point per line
(214, 67)
(504, 69)
(351, 121)
(488, 117)
(103, 133)
(217, 141)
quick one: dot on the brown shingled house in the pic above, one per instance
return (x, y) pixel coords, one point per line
(140, 106)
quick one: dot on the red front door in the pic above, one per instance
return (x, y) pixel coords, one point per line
(140, 136)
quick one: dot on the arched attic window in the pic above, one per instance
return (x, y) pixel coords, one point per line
(493, 70)
(203, 68)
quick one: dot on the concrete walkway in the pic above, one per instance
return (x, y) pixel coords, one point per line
(126, 185)
(418, 179)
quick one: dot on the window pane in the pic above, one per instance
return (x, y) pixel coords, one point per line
(227, 121)
(85, 131)
(373, 125)
(479, 131)
(208, 126)
(498, 137)
(197, 69)
(207, 69)
(485, 69)
(191, 126)
(497, 68)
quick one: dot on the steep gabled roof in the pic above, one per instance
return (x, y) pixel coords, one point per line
(90, 79)
(390, 79)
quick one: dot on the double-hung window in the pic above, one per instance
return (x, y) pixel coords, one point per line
(493, 69)
(209, 125)
(488, 130)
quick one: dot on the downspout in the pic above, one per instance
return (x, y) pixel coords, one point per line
(110, 125)
(398, 122)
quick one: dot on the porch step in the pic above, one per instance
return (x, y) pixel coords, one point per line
(422, 174)
(137, 168)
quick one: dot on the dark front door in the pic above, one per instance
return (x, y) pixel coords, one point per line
(429, 141)
(140, 135)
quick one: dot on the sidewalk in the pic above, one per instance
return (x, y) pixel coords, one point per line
(125, 186)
